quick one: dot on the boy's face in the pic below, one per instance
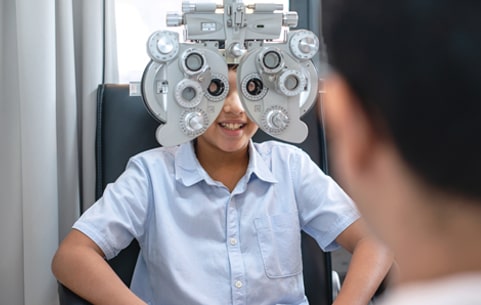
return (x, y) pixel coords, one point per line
(232, 130)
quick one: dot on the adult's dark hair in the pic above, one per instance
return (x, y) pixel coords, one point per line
(415, 67)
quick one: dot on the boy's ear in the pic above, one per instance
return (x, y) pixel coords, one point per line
(350, 132)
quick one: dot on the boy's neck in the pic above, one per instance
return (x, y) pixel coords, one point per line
(225, 167)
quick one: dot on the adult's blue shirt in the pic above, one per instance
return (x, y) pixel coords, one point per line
(201, 243)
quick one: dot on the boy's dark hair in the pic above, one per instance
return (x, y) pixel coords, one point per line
(232, 67)
(415, 67)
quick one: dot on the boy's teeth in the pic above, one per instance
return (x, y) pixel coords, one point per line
(231, 126)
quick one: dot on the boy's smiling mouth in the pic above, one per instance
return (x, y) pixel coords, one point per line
(232, 126)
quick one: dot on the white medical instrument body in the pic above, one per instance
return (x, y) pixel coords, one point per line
(185, 83)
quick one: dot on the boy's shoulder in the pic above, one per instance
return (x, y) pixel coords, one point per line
(274, 145)
(160, 153)
(277, 148)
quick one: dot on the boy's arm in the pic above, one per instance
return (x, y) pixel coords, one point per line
(79, 264)
(370, 263)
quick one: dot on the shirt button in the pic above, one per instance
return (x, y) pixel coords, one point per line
(238, 284)
(233, 241)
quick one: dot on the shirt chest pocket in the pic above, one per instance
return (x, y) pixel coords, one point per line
(279, 239)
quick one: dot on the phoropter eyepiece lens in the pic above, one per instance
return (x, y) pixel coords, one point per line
(272, 60)
(194, 62)
(188, 93)
(216, 87)
(254, 86)
(291, 82)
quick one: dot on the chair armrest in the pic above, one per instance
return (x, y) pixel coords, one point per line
(67, 297)
(336, 284)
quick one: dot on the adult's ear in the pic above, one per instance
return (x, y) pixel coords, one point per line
(351, 136)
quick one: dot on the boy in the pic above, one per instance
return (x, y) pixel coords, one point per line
(218, 221)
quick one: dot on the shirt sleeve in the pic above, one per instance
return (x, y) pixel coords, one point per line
(325, 209)
(120, 214)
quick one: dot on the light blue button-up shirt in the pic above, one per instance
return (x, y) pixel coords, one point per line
(202, 244)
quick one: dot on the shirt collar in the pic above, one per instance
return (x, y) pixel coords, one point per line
(258, 166)
(187, 168)
(189, 171)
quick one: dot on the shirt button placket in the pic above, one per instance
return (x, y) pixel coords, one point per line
(235, 255)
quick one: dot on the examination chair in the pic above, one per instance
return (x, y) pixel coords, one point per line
(124, 128)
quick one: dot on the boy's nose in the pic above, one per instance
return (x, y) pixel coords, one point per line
(233, 104)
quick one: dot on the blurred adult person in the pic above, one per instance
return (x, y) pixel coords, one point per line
(403, 110)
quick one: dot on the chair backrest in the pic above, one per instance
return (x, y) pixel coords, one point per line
(124, 128)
